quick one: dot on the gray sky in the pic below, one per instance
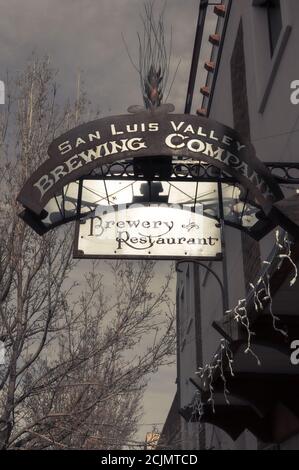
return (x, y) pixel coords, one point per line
(85, 35)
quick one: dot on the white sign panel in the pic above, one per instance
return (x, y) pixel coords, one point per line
(148, 231)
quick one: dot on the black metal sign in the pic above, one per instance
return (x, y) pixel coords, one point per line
(148, 134)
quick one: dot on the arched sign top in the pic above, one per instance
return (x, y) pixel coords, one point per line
(79, 151)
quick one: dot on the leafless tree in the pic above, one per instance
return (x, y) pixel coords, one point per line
(78, 353)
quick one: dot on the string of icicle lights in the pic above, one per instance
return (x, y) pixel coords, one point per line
(261, 292)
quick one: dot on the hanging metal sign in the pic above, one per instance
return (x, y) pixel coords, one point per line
(148, 134)
(148, 231)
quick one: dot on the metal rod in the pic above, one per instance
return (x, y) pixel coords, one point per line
(196, 51)
(213, 274)
(224, 259)
(80, 190)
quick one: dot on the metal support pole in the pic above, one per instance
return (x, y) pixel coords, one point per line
(196, 51)
(224, 259)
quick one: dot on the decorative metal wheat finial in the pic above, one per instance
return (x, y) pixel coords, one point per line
(154, 57)
(152, 87)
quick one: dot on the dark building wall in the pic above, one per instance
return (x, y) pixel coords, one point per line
(251, 94)
(251, 248)
(171, 433)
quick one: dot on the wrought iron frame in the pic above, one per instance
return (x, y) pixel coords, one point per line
(182, 170)
(198, 172)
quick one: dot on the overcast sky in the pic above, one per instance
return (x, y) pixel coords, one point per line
(85, 35)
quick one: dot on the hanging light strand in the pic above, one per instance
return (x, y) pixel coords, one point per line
(223, 357)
